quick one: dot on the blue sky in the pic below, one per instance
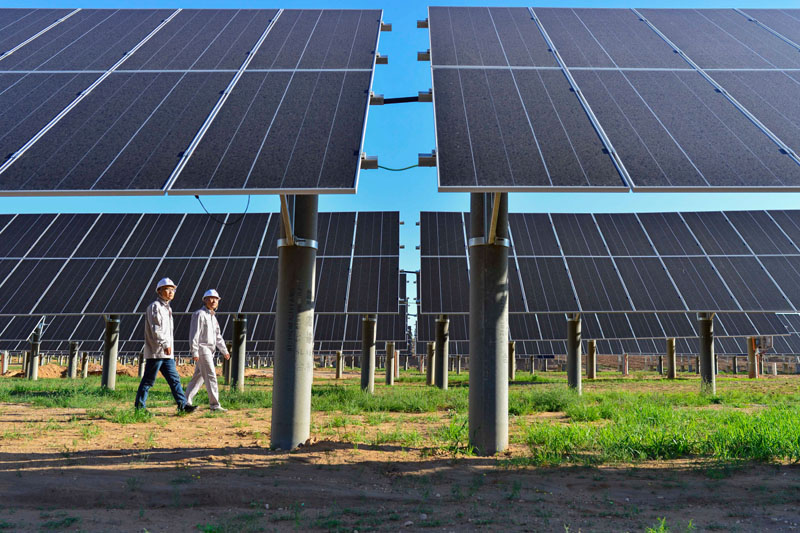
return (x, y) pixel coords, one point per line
(397, 133)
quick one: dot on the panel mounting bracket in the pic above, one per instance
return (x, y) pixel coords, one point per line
(381, 60)
(493, 226)
(422, 23)
(369, 162)
(386, 26)
(427, 160)
(288, 224)
(424, 56)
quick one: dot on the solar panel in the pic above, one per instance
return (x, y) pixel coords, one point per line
(658, 262)
(617, 326)
(187, 101)
(108, 264)
(603, 99)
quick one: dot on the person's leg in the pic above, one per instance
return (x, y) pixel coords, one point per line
(196, 382)
(206, 363)
(170, 373)
(151, 367)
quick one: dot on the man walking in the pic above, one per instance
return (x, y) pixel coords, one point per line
(158, 346)
(204, 337)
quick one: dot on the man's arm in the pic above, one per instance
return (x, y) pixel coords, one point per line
(159, 326)
(194, 336)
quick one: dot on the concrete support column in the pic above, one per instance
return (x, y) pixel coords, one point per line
(4, 368)
(294, 322)
(442, 356)
(141, 364)
(735, 365)
(488, 323)
(705, 326)
(431, 368)
(697, 364)
(532, 361)
(36, 340)
(239, 355)
(368, 332)
(72, 362)
(85, 366)
(774, 368)
(671, 362)
(227, 364)
(110, 350)
(458, 364)
(624, 364)
(716, 364)
(339, 364)
(512, 360)
(574, 352)
(591, 359)
(660, 367)
(391, 363)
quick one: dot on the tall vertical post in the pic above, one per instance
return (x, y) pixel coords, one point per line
(227, 364)
(239, 356)
(512, 360)
(734, 365)
(110, 350)
(4, 368)
(574, 352)
(705, 325)
(36, 340)
(85, 365)
(458, 364)
(141, 364)
(671, 361)
(442, 351)
(591, 359)
(752, 364)
(488, 322)
(391, 363)
(294, 322)
(624, 364)
(368, 333)
(72, 362)
(339, 364)
(660, 367)
(431, 368)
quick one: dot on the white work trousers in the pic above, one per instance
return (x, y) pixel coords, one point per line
(204, 371)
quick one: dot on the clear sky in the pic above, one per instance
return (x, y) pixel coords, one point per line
(397, 133)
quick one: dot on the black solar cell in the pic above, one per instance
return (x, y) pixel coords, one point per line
(533, 234)
(578, 235)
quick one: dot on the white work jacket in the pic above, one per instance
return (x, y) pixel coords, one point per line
(205, 335)
(158, 330)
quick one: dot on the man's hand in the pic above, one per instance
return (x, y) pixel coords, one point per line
(167, 351)
(227, 356)
(196, 358)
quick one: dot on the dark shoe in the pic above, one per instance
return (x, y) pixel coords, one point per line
(188, 409)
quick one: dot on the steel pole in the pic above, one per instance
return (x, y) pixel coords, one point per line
(671, 361)
(574, 353)
(442, 356)
(36, 340)
(591, 359)
(391, 363)
(110, 351)
(368, 332)
(72, 362)
(239, 354)
(488, 323)
(705, 325)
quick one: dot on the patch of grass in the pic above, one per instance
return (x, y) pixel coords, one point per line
(454, 437)
(122, 416)
(89, 431)
(61, 523)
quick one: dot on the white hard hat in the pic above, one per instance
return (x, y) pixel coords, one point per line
(210, 292)
(166, 282)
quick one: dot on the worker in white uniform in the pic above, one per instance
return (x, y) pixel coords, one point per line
(204, 338)
(158, 348)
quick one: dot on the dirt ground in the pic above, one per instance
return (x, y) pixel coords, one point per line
(64, 469)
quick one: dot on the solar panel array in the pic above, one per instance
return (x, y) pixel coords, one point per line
(746, 261)
(531, 99)
(188, 101)
(618, 326)
(99, 264)
(331, 332)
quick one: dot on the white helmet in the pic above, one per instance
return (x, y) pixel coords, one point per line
(166, 282)
(210, 292)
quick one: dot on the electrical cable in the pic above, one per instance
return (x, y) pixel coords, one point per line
(397, 169)
(222, 222)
